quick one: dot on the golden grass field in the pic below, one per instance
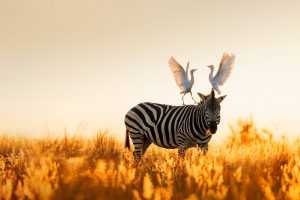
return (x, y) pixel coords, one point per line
(248, 164)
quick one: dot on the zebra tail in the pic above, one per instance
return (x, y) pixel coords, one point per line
(127, 144)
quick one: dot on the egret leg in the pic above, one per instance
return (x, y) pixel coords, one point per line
(182, 99)
(217, 89)
(192, 97)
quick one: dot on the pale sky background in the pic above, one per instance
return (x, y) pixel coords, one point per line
(69, 64)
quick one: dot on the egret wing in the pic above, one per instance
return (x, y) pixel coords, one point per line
(187, 69)
(225, 69)
(179, 74)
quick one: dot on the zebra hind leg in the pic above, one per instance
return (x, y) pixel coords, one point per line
(140, 148)
(146, 144)
(138, 143)
(137, 156)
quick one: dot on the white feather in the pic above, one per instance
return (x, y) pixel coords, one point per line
(225, 69)
(181, 76)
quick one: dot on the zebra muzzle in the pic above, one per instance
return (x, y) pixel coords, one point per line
(213, 127)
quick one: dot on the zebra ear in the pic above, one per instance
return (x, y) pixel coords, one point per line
(221, 98)
(212, 93)
(202, 96)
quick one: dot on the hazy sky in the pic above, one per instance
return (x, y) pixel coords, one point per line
(66, 63)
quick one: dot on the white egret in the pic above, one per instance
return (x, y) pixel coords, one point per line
(225, 69)
(181, 77)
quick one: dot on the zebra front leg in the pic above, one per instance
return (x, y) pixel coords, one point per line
(181, 155)
(181, 152)
(203, 148)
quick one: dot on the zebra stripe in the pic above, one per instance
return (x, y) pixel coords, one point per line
(167, 126)
(172, 127)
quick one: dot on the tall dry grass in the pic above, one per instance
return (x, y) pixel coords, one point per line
(249, 164)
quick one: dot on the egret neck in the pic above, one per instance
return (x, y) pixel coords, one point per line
(192, 77)
(211, 73)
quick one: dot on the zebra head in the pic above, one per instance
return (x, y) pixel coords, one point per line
(212, 109)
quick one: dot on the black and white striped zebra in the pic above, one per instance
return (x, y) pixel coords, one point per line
(172, 127)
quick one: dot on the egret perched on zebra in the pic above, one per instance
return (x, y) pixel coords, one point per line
(225, 69)
(172, 127)
(181, 77)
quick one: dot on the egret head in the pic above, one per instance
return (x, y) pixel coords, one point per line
(210, 66)
(193, 70)
(212, 110)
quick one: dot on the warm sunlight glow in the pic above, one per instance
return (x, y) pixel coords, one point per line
(71, 70)
(66, 64)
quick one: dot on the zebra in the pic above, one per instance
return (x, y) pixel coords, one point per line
(173, 127)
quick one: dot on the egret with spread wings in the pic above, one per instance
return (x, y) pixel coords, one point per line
(225, 69)
(181, 77)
